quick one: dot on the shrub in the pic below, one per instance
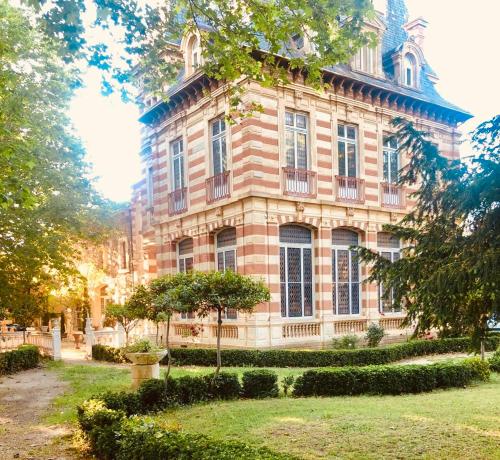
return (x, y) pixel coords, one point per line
(112, 436)
(109, 354)
(346, 342)
(374, 335)
(25, 357)
(287, 383)
(315, 358)
(389, 379)
(260, 383)
(495, 361)
(129, 403)
(225, 386)
(141, 346)
(152, 395)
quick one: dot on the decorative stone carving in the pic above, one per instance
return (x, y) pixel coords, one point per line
(300, 211)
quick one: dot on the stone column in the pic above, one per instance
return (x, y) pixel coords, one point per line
(56, 343)
(89, 337)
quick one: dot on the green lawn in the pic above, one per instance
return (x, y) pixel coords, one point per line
(451, 424)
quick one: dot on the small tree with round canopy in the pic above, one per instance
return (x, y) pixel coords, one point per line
(205, 293)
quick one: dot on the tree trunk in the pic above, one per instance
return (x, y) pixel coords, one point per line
(169, 357)
(157, 331)
(219, 329)
(126, 337)
(482, 349)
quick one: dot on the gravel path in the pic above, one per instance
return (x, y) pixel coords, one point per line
(25, 398)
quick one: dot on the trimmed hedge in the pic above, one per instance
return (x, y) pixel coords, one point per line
(306, 358)
(495, 361)
(114, 437)
(389, 379)
(25, 357)
(260, 383)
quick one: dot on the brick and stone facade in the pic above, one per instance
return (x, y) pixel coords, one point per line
(287, 166)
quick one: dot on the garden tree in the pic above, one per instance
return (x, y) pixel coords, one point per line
(449, 275)
(232, 34)
(164, 306)
(206, 293)
(127, 315)
(47, 203)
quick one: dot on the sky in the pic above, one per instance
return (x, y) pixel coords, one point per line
(460, 45)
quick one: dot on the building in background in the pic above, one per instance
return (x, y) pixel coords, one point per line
(284, 194)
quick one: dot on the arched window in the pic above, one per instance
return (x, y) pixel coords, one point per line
(345, 273)
(389, 247)
(185, 264)
(226, 257)
(410, 70)
(296, 280)
(193, 55)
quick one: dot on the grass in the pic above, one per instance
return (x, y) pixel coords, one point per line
(458, 423)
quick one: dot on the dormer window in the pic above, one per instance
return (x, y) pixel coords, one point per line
(298, 41)
(192, 54)
(410, 70)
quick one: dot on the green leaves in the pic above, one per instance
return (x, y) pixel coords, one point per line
(449, 276)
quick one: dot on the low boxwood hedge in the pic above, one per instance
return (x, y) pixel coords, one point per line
(495, 361)
(25, 357)
(389, 379)
(306, 358)
(260, 383)
(113, 436)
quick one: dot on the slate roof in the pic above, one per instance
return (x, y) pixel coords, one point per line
(392, 41)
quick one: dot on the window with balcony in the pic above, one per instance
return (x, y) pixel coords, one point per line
(389, 247)
(349, 186)
(177, 198)
(185, 264)
(346, 287)
(391, 193)
(225, 253)
(296, 273)
(298, 179)
(218, 184)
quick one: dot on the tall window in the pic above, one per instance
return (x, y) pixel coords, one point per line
(219, 155)
(410, 70)
(345, 273)
(296, 139)
(149, 186)
(364, 60)
(226, 258)
(391, 160)
(123, 255)
(177, 156)
(296, 280)
(389, 247)
(185, 264)
(348, 150)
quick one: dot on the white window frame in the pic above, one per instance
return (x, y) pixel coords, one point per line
(410, 64)
(386, 148)
(341, 247)
(223, 250)
(348, 141)
(221, 139)
(184, 257)
(300, 246)
(392, 252)
(177, 156)
(297, 130)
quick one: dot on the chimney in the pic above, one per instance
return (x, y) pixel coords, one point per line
(416, 30)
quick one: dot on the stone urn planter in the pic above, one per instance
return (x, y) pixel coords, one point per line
(145, 366)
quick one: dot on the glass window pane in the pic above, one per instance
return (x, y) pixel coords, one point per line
(230, 260)
(295, 234)
(355, 298)
(354, 268)
(343, 298)
(344, 237)
(386, 166)
(351, 132)
(341, 130)
(216, 154)
(294, 299)
(351, 160)
(394, 166)
(189, 264)
(215, 128)
(294, 270)
(220, 261)
(288, 118)
(342, 265)
(308, 299)
(301, 151)
(290, 149)
(342, 169)
(301, 121)
(222, 125)
(223, 152)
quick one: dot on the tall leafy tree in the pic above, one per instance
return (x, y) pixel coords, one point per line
(47, 203)
(216, 292)
(232, 33)
(449, 275)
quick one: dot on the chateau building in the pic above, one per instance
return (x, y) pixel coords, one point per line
(282, 195)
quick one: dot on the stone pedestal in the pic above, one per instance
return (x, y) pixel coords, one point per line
(141, 372)
(145, 366)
